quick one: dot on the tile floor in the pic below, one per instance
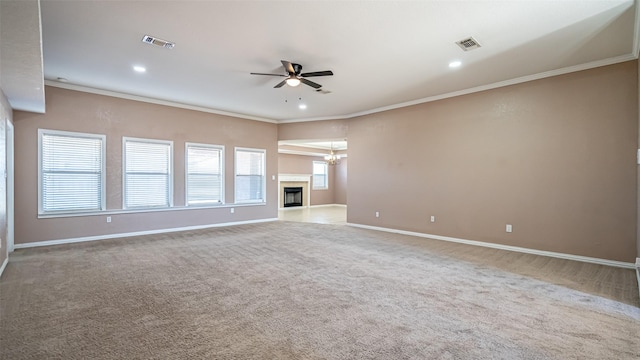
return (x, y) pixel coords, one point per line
(333, 214)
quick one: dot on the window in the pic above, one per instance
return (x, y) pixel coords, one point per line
(204, 174)
(147, 173)
(250, 175)
(71, 172)
(320, 175)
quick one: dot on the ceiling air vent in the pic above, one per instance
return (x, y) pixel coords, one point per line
(468, 44)
(158, 42)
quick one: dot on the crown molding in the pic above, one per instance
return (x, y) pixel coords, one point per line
(145, 99)
(523, 79)
(519, 80)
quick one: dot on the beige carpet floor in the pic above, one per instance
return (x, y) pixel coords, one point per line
(287, 290)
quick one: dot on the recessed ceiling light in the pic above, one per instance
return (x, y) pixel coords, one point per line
(302, 106)
(139, 68)
(455, 64)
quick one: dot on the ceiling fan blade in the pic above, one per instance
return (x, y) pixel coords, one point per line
(287, 66)
(280, 84)
(267, 74)
(318, 73)
(310, 83)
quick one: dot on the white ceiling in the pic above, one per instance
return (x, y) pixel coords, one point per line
(384, 54)
(21, 73)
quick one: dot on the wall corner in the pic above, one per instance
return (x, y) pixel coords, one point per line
(638, 273)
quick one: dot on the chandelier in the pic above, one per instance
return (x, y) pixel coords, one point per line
(332, 159)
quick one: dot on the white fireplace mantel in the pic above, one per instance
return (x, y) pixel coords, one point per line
(294, 177)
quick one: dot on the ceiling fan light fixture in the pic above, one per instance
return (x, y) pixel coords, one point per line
(294, 75)
(293, 81)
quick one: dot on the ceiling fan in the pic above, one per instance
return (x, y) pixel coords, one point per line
(294, 77)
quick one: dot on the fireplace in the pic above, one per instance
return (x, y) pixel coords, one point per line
(292, 196)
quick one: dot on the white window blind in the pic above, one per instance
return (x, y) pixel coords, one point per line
(250, 175)
(71, 172)
(204, 174)
(147, 173)
(320, 175)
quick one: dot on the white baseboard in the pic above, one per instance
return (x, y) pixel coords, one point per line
(4, 265)
(137, 233)
(328, 205)
(587, 259)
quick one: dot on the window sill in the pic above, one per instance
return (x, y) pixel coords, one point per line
(149, 210)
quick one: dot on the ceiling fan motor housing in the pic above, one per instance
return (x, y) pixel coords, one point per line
(297, 68)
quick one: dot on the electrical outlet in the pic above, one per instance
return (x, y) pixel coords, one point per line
(433, 218)
(233, 210)
(108, 219)
(377, 214)
(509, 228)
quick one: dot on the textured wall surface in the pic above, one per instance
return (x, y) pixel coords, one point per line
(83, 112)
(555, 158)
(314, 130)
(341, 180)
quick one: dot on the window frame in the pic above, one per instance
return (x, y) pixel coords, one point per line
(103, 170)
(186, 174)
(263, 152)
(170, 175)
(326, 175)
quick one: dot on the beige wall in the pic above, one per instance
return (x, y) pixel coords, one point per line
(340, 179)
(4, 108)
(83, 112)
(328, 129)
(638, 174)
(5, 115)
(291, 164)
(556, 158)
